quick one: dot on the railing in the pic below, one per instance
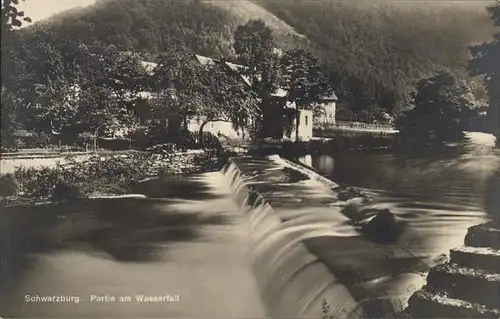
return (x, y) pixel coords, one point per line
(355, 126)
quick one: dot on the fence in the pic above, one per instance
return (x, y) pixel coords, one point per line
(355, 126)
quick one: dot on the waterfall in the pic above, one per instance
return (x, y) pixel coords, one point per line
(292, 281)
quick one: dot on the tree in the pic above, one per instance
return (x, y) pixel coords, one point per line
(485, 62)
(227, 99)
(255, 48)
(440, 113)
(110, 83)
(86, 88)
(303, 81)
(12, 69)
(177, 82)
(11, 17)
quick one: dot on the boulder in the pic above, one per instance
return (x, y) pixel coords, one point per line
(347, 193)
(384, 227)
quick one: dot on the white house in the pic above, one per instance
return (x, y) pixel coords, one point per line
(305, 125)
(328, 107)
(307, 120)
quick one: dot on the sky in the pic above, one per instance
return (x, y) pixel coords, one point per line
(41, 9)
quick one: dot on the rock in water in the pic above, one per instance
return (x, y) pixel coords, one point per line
(348, 193)
(383, 227)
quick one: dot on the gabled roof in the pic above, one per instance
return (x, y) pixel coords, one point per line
(236, 68)
(205, 61)
(239, 69)
(331, 97)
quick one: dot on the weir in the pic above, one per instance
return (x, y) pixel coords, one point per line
(305, 251)
(292, 281)
(193, 235)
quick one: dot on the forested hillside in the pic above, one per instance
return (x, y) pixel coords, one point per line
(147, 26)
(373, 53)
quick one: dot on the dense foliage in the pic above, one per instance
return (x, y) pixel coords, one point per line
(374, 53)
(443, 108)
(146, 26)
(372, 56)
(76, 90)
(303, 80)
(485, 62)
(103, 174)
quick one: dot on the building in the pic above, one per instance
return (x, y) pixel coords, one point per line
(279, 114)
(328, 107)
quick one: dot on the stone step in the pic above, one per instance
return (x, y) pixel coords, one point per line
(484, 235)
(473, 285)
(425, 304)
(483, 258)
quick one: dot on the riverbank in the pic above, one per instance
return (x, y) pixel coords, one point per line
(99, 175)
(186, 238)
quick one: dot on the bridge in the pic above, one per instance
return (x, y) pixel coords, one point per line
(332, 129)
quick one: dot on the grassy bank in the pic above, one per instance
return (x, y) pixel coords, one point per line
(101, 174)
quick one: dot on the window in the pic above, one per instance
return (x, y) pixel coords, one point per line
(306, 120)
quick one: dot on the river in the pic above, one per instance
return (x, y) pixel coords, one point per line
(185, 244)
(190, 239)
(438, 194)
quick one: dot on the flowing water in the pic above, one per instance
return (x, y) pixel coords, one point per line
(437, 194)
(195, 241)
(185, 240)
(306, 253)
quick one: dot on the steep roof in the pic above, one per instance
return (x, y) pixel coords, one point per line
(205, 61)
(236, 68)
(331, 97)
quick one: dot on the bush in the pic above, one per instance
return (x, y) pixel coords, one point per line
(7, 185)
(35, 182)
(105, 174)
(42, 140)
(65, 192)
(164, 149)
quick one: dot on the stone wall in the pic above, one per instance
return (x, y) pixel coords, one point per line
(468, 286)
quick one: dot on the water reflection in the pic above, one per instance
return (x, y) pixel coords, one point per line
(438, 194)
(326, 163)
(322, 163)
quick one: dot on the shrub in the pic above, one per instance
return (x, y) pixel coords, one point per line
(42, 139)
(35, 182)
(164, 149)
(105, 174)
(7, 185)
(65, 192)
